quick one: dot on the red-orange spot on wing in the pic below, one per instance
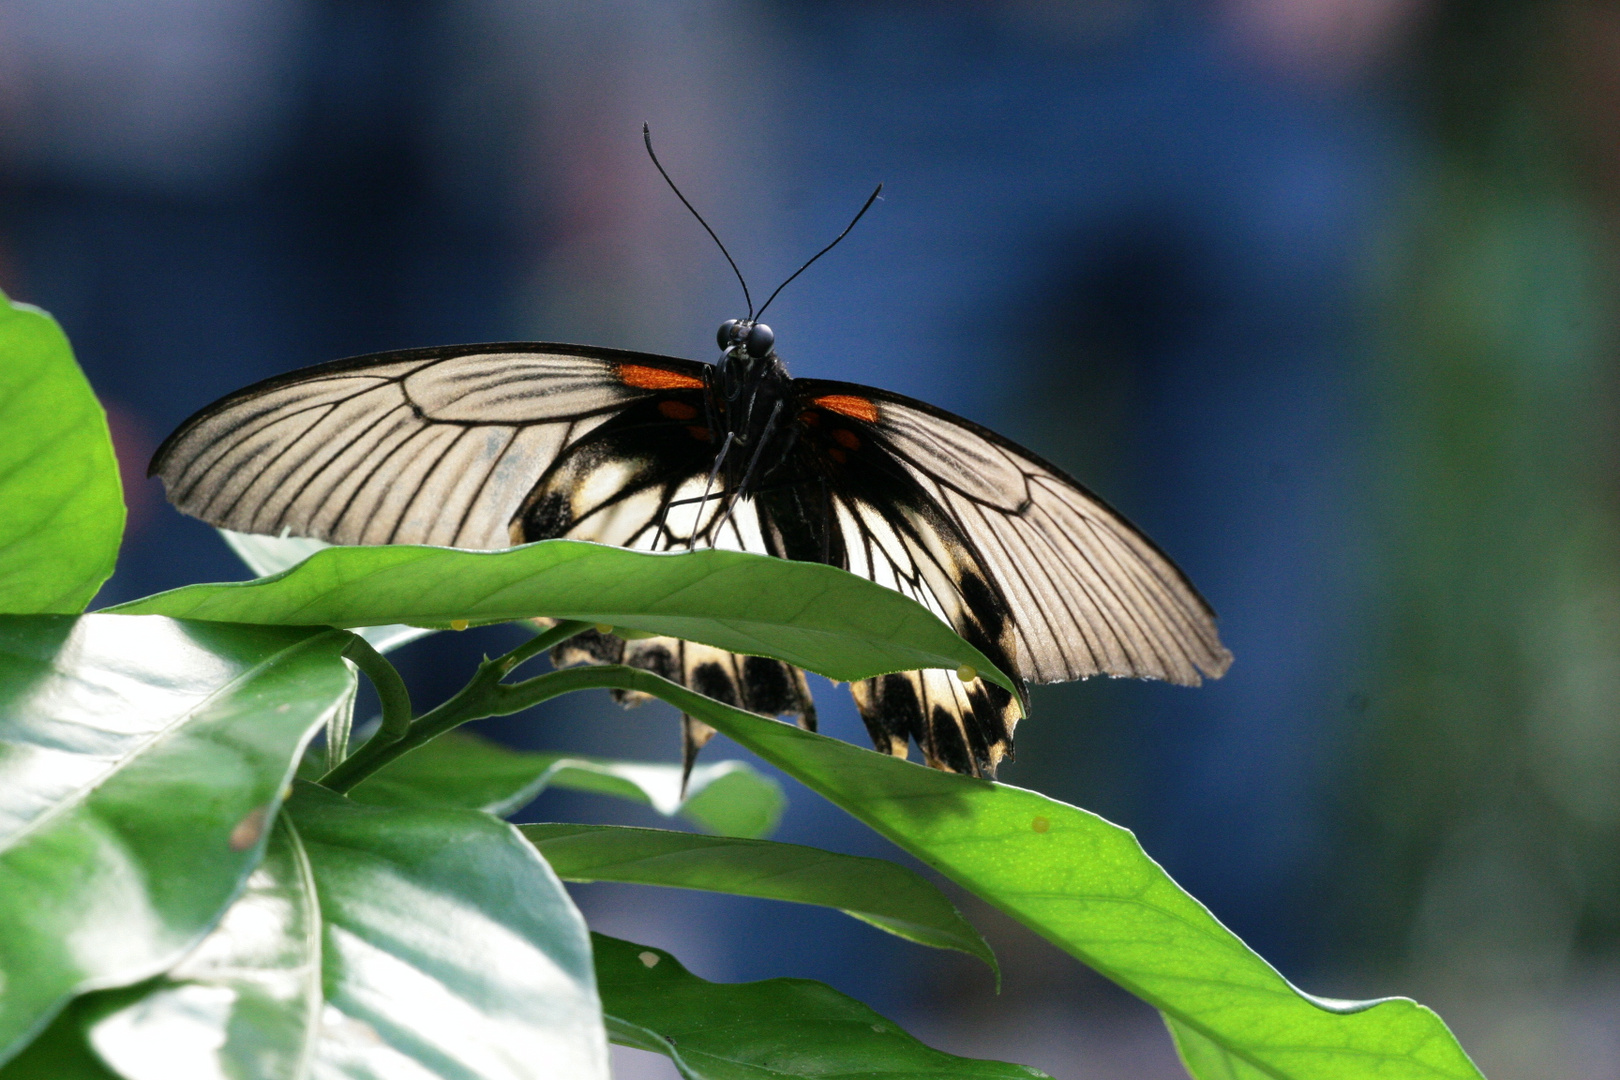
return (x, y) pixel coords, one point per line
(677, 410)
(701, 434)
(643, 377)
(846, 438)
(856, 408)
(837, 454)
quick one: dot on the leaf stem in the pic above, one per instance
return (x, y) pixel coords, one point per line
(396, 699)
(484, 696)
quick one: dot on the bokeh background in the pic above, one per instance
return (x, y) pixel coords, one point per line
(1320, 292)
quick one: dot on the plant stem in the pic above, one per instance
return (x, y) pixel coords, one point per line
(484, 696)
(396, 699)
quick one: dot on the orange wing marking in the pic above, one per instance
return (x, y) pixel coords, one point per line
(643, 377)
(856, 408)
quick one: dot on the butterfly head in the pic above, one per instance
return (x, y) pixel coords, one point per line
(754, 338)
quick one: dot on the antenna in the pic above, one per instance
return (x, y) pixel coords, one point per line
(646, 137)
(870, 200)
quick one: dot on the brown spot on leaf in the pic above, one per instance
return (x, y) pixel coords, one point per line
(249, 829)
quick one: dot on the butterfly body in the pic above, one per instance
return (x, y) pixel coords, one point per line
(484, 446)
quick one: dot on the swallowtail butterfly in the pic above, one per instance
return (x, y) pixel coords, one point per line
(487, 446)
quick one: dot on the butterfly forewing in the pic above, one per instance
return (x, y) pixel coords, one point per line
(1085, 592)
(426, 446)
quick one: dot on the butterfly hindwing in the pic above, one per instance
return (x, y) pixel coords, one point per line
(756, 683)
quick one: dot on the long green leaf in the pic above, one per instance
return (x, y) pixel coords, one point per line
(770, 1030)
(1088, 887)
(815, 616)
(61, 502)
(885, 894)
(462, 770)
(375, 943)
(141, 760)
(267, 555)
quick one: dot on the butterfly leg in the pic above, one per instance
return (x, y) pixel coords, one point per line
(719, 460)
(753, 462)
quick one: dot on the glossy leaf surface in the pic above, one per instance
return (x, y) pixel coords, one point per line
(883, 893)
(375, 944)
(141, 760)
(463, 770)
(246, 1002)
(450, 948)
(1087, 886)
(61, 501)
(815, 616)
(762, 1030)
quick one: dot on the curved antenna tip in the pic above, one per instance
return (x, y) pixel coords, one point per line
(870, 199)
(646, 137)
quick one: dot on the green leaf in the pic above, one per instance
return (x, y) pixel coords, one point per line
(462, 770)
(1204, 1059)
(449, 939)
(61, 501)
(730, 798)
(814, 616)
(1088, 887)
(266, 555)
(885, 894)
(375, 943)
(245, 1003)
(765, 1030)
(141, 760)
(59, 1053)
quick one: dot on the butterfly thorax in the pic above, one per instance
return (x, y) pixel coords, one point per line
(750, 396)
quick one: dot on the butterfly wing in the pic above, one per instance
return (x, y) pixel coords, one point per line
(425, 446)
(645, 479)
(483, 446)
(1086, 592)
(1016, 555)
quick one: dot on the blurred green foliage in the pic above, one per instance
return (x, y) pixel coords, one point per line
(1490, 775)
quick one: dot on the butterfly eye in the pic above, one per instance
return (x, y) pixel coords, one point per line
(759, 340)
(729, 332)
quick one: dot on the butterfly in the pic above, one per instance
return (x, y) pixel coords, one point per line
(493, 445)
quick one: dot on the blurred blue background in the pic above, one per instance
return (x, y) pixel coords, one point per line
(1318, 292)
